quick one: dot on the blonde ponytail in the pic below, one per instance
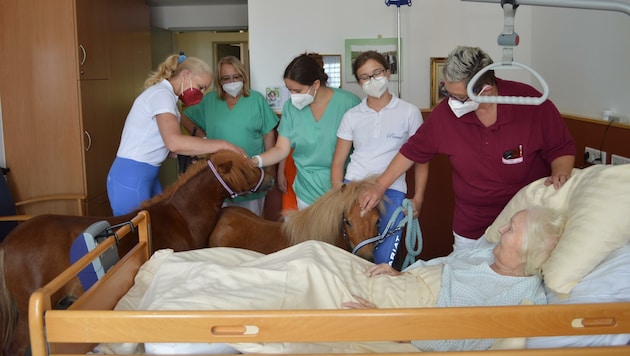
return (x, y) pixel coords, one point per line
(172, 67)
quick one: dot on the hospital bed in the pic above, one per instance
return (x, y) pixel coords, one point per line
(597, 320)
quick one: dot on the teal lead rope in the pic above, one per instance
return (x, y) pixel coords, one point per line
(413, 238)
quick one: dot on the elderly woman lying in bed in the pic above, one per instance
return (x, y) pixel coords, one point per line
(507, 273)
(316, 275)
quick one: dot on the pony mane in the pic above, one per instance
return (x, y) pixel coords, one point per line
(181, 180)
(235, 170)
(322, 220)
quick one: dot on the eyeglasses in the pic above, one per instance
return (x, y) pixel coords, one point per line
(231, 78)
(445, 93)
(378, 74)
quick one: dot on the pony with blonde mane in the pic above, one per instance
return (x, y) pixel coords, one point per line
(335, 218)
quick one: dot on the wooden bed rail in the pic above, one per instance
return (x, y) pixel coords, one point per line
(40, 301)
(325, 325)
(340, 325)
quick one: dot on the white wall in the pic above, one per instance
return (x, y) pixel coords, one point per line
(582, 54)
(428, 29)
(215, 17)
(585, 57)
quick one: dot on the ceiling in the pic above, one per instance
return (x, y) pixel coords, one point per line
(195, 2)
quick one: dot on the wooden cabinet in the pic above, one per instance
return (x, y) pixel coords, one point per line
(100, 142)
(93, 38)
(62, 113)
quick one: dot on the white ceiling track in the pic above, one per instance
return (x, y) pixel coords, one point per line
(605, 5)
(509, 38)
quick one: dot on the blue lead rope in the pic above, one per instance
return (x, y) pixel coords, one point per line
(413, 237)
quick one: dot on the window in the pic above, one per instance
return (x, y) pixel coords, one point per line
(332, 67)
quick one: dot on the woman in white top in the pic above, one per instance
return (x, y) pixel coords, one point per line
(152, 130)
(374, 131)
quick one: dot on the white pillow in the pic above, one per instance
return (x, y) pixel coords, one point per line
(535, 193)
(598, 223)
(597, 202)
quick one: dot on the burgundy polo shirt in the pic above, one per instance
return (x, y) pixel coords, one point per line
(484, 180)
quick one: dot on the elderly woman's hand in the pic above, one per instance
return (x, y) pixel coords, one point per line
(361, 304)
(382, 268)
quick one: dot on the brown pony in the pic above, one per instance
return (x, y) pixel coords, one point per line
(335, 218)
(181, 218)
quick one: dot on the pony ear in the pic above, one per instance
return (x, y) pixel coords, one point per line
(225, 167)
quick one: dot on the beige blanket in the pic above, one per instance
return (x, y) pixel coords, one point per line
(312, 275)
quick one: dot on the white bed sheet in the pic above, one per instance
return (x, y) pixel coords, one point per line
(311, 275)
(608, 282)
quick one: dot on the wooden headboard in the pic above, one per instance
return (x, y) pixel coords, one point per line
(611, 137)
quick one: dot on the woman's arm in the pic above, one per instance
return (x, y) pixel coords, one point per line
(190, 126)
(179, 143)
(281, 178)
(376, 270)
(421, 174)
(561, 168)
(372, 196)
(275, 154)
(342, 150)
(269, 140)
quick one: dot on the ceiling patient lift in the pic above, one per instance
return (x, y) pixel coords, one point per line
(508, 39)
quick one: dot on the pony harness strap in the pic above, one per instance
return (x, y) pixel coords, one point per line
(232, 193)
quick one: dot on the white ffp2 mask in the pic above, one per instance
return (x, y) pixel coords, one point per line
(233, 88)
(460, 109)
(302, 100)
(376, 87)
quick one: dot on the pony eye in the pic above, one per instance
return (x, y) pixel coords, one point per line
(347, 222)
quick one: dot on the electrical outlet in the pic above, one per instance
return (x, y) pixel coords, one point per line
(616, 159)
(594, 156)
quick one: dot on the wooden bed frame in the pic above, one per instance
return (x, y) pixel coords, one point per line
(91, 320)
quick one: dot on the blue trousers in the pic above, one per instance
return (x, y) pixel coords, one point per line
(129, 183)
(385, 251)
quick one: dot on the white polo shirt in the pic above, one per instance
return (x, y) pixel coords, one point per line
(141, 140)
(377, 136)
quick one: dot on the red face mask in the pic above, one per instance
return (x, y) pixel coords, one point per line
(191, 96)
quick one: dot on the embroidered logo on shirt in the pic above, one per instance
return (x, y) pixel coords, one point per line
(393, 135)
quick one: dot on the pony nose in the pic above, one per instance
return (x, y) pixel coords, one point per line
(267, 183)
